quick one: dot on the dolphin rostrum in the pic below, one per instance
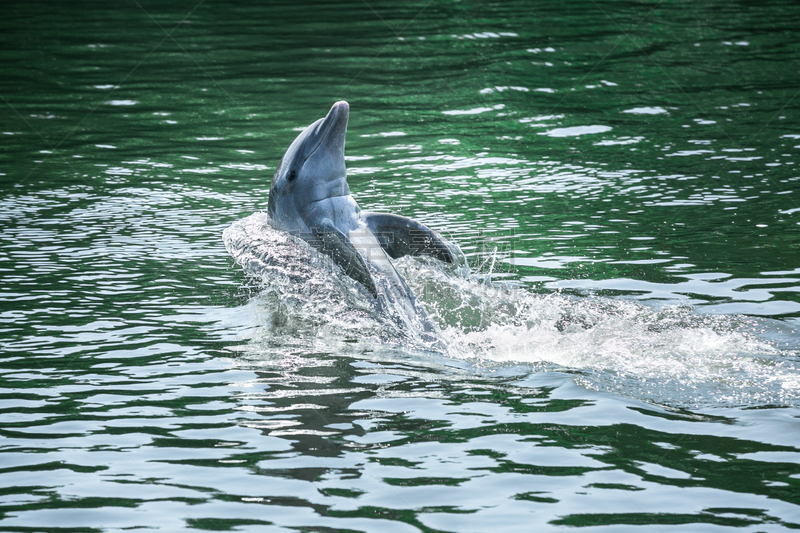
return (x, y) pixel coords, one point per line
(309, 197)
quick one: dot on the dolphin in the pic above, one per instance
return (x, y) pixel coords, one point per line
(309, 197)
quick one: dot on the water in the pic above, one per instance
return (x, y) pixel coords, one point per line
(623, 353)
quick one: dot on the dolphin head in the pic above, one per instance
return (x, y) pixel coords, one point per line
(311, 170)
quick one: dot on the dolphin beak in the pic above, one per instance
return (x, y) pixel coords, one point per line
(335, 126)
(327, 134)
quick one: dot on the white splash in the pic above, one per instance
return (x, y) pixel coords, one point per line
(670, 355)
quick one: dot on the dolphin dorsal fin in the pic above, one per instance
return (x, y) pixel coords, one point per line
(400, 236)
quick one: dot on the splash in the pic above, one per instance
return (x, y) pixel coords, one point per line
(669, 355)
(305, 296)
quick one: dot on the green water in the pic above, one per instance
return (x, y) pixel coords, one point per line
(622, 176)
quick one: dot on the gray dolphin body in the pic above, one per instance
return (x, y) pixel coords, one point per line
(309, 197)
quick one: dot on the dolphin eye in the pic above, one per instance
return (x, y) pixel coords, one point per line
(292, 175)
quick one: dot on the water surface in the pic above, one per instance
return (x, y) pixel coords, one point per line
(624, 352)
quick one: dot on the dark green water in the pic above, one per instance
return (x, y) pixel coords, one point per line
(622, 176)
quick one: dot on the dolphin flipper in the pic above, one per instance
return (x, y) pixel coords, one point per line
(329, 240)
(401, 236)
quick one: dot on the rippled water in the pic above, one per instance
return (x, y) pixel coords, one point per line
(623, 352)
